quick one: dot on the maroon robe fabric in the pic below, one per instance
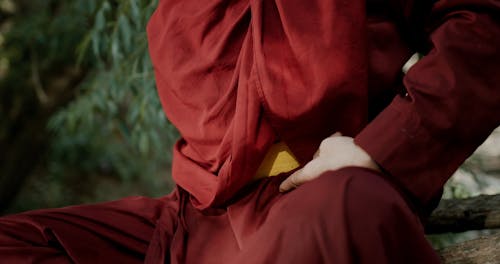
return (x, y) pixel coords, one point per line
(351, 215)
(234, 76)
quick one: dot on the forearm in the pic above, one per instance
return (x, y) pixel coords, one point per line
(452, 105)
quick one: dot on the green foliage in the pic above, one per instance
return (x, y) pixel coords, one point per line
(35, 41)
(112, 139)
(116, 123)
(455, 190)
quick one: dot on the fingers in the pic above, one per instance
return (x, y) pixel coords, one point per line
(310, 171)
(337, 134)
(307, 173)
(293, 181)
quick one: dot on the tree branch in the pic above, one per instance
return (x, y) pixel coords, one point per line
(459, 215)
(484, 250)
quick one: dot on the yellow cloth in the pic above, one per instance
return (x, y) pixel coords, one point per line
(279, 159)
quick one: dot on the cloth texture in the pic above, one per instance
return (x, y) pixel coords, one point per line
(334, 219)
(236, 76)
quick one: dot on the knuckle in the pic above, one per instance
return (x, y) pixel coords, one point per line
(325, 142)
(293, 182)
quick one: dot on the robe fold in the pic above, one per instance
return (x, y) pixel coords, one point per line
(237, 76)
(234, 76)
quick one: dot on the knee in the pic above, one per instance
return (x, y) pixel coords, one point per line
(370, 200)
(351, 192)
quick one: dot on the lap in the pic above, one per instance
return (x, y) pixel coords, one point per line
(348, 215)
(344, 216)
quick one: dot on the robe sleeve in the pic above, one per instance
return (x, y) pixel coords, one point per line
(452, 102)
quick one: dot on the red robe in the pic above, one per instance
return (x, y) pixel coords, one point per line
(235, 76)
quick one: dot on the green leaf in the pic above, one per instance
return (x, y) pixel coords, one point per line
(136, 13)
(125, 31)
(100, 20)
(143, 143)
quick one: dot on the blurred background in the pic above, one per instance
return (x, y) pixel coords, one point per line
(80, 121)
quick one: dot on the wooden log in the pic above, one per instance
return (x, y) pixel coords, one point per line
(484, 250)
(459, 215)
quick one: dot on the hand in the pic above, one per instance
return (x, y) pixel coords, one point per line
(334, 152)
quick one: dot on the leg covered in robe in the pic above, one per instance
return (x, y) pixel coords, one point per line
(351, 215)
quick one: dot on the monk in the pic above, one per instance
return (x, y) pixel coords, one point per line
(302, 139)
